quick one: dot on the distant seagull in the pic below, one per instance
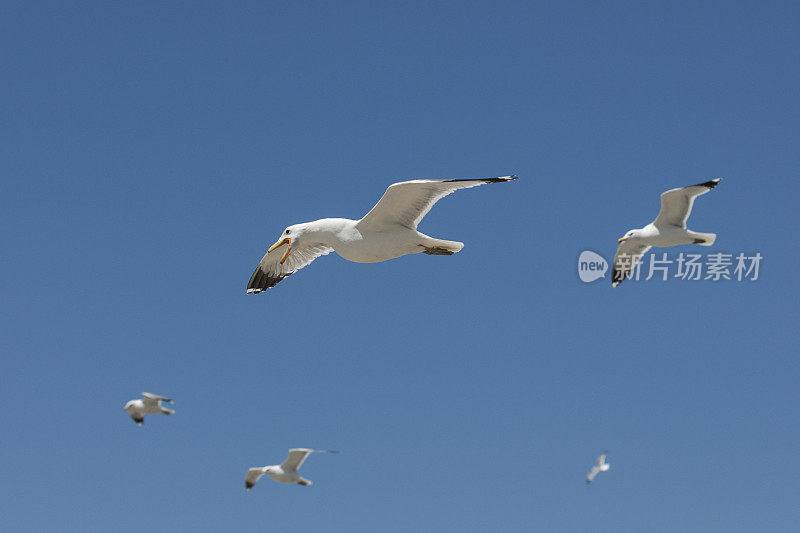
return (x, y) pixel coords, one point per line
(285, 472)
(600, 465)
(668, 229)
(150, 405)
(389, 230)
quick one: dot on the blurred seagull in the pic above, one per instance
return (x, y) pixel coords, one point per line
(600, 465)
(150, 405)
(285, 472)
(389, 230)
(668, 229)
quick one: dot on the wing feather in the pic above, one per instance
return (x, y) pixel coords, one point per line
(155, 397)
(295, 458)
(628, 255)
(407, 202)
(601, 459)
(252, 477)
(676, 204)
(270, 271)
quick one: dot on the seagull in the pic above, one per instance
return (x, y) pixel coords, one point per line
(389, 230)
(286, 472)
(668, 229)
(600, 465)
(150, 405)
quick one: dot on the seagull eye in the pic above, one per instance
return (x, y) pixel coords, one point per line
(287, 232)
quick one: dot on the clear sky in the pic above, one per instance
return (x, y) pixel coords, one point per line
(152, 151)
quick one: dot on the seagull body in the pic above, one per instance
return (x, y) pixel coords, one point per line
(388, 231)
(150, 404)
(285, 472)
(600, 465)
(668, 229)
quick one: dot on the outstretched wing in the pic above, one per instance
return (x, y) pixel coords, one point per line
(270, 270)
(593, 472)
(628, 255)
(676, 204)
(602, 459)
(407, 202)
(153, 398)
(296, 458)
(252, 477)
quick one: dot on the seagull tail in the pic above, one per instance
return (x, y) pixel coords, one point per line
(704, 239)
(442, 247)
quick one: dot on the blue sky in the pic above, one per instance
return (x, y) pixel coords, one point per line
(152, 151)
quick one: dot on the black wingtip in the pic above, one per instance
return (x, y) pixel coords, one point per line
(261, 281)
(501, 179)
(249, 486)
(709, 184)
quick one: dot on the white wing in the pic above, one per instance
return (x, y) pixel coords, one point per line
(296, 458)
(676, 204)
(602, 459)
(270, 270)
(628, 255)
(149, 397)
(252, 477)
(407, 202)
(593, 472)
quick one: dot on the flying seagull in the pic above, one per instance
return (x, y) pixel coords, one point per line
(149, 405)
(668, 229)
(600, 465)
(389, 230)
(286, 472)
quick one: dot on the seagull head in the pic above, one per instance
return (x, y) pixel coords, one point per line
(289, 236)
(128, 405)
(632, 234)
(318, 231)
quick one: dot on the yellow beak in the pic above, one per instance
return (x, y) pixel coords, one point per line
(280, 243)
(623, 239)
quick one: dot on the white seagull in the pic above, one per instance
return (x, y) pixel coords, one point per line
(668, 229)
(389, 230)
(286, 472)
(600, 465)
(149, 405)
